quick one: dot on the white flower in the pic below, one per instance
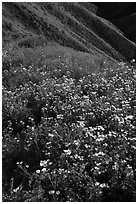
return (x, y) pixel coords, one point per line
(99, 154)
(129, 117)
(76, 156)
(86, 146)
(129, 171)
(67, 152)
(85, 97)
(19, 163)
(51, 192)
(81, 123)
(50, 135)
(44, 170)
(96, 168)
(60, 116)
(103, 185)
(76, 142)
(57, 192)
(100, 139)
(104, 80)
(38, 171)
(44, 163)
(133, 60)
(101, 128)
(60, 170)
(97, 184)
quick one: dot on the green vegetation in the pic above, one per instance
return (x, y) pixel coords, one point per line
(69, 24)
(69, 125)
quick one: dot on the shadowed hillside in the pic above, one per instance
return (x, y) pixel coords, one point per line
(122, 14)
(74, 25)
(128, 25)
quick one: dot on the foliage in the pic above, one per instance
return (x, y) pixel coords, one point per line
(68, 133)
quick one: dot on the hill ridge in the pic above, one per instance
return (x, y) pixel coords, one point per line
(70, 24)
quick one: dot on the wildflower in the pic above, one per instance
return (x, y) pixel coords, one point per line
(60, 171)
(129, 117)
(97, 168)
(67, 152)
(60, 116)
(103, 185)
(51, 192)
(99, 139)
(81, 123)
(97, 184)
(100, 128)
(76, 156)
(99, 154)
(24, 68)
(86, 146)
(44, 170)
(50, 135)
(44, 163)
(38, 171)
(76, 142)
(129, 171)
(57, 192)
(20, 163)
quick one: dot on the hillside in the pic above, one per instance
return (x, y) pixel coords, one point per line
(122, 14)
(128, 25)
(68, 104)
(74, 25)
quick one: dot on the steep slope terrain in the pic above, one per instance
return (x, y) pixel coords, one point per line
(74, 25)
(128, 25)
(122, 14)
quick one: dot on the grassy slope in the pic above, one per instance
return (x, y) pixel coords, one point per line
(69, 24)
(52, 55)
